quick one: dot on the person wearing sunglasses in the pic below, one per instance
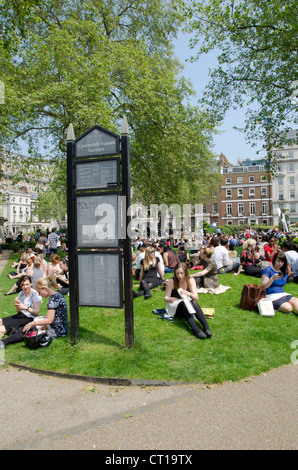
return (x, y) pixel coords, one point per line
(150, 268)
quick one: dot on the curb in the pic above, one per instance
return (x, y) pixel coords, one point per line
(102, 380)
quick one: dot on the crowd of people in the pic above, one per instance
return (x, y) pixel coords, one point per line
(261, 255)
(38, 273)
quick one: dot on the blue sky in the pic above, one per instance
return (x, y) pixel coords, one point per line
(230, 142)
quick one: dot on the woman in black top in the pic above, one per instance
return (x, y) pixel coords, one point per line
(149, 274)
(183, 285)
(63, 277)
(183, 255)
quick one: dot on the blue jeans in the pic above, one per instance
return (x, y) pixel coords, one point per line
(229, 268)
(169, 270)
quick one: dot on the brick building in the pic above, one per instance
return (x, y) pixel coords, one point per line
(244, 196)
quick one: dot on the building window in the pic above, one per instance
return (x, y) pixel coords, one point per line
(280, 195)
(292, 193)
(229, 209)
(265, 222)
(241, 222)
(279, 168)
(228, 180)
(264, 191)
(291, 168)
(292, 207)
(264, 208)
(263, 178)
(280, 181)
(228, 193)
(214, 208)
(241, 209)
(252, 207)
(251, 192)
(229, 222)
(240, 179)
(240, 192)
(251, 179)
(292, 179)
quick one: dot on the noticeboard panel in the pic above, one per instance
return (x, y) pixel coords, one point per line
(97, 142)
(100, 279)
(97, 221)
(99, 174)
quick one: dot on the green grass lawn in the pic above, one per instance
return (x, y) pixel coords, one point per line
(243, 343)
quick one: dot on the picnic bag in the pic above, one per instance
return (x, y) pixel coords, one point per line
(250, 296)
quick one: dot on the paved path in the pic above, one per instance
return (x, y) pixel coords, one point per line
(41, 412)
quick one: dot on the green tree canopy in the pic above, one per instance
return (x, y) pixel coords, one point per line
(90, 62)
(257, 46)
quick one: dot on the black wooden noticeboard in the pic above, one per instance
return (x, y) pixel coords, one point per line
(98, 174)
(95, 221)
(100, 274)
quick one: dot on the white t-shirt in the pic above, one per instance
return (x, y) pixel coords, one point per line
(292, 257)
(29, 301)
(221, 256)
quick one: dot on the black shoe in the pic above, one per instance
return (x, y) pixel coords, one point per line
(147, 296)
(208, 333)
(137, 294)
(201, 335)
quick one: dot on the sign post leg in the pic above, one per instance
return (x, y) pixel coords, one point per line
(128, 302)
(72, 263)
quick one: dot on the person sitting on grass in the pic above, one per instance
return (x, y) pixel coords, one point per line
(27, 305)
(208, 277)
(250, 258)
(187, 284)
(169, 257)
(63, 278)
(271, 248)
(20, 265)
(292, 259)
(183, 255)
(27, 270)
(273, 279)
(54, 265)
(221, 258)
(150, 268)
(56, 317)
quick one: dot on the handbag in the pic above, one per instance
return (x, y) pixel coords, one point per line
(37, 337)
(250, 296)
(265, 307)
